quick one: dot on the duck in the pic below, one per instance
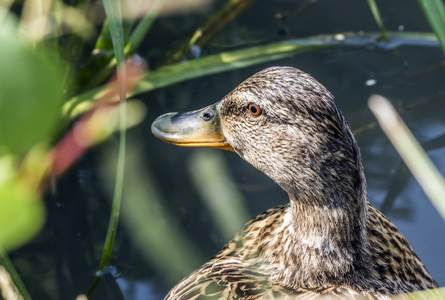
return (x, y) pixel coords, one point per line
(328, 240)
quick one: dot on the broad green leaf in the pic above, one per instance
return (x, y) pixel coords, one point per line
(30, 95)
(22, 212)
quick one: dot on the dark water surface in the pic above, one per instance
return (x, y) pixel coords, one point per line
(168, 227)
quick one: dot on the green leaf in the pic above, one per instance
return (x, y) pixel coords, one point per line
(22, 212)
(434, 11)
(245, 57)
(30, 96)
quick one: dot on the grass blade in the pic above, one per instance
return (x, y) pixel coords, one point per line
(114, 18)
(223, 200)
(144, 25)
(377, 17)
(236, 59)
(434, 11)
(218, 21)
(411, 152)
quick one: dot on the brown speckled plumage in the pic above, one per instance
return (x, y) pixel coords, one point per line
(329, 240)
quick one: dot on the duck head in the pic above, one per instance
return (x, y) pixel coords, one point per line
(284, 123)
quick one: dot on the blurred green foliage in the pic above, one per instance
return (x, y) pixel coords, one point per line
(30, 96)
(30, 111)
(22, 211)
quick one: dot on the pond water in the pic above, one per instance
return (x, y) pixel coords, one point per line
(168, 224)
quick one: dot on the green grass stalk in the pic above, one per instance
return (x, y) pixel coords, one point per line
(144, 25)
(218, 21)
(236, 59)
(378, 19)
(410, 150)
(114, 16)
(434, 11)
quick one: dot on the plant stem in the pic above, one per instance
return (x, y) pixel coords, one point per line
(144, 25)
(16, 285)
(114, 16)
(215, 24)
(377, 17)
(434, 11)
(410, 150)
(245, 57)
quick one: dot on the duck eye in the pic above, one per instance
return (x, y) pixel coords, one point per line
(254, 109)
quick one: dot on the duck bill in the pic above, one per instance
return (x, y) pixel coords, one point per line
(199, 128)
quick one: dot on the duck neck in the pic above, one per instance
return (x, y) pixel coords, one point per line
(329, 234)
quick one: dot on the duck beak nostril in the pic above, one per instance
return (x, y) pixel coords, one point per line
(207, 116)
